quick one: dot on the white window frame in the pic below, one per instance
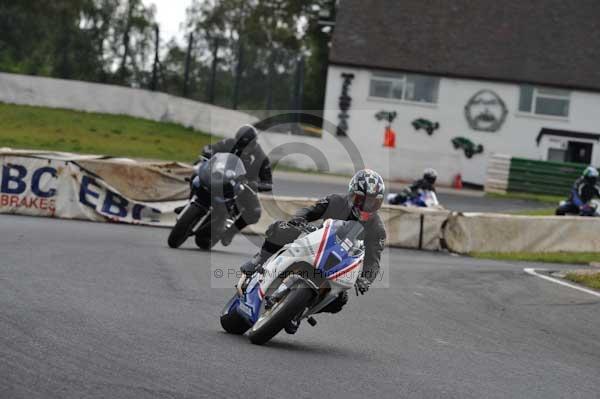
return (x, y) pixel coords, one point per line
(402, 78)
(535, 95)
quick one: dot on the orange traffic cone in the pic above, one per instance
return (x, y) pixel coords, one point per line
(389, 138)
(457, 183)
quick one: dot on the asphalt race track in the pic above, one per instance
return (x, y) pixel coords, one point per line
(309, 185)
(91, 310)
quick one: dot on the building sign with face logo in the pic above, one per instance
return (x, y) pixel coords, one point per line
(486, 111)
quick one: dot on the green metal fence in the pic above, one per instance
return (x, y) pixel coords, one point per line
(542, 177)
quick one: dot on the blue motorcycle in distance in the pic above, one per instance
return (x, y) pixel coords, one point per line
(423, 199)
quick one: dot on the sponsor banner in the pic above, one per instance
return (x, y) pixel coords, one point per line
(62, 188)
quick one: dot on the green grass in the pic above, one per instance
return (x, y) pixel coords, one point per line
(548, 257)
(549, 199)
(90, 133)
(591, 280)
(535, 212)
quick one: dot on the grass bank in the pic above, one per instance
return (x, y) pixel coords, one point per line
(91, 133)
(589, 279)
(582, 258)
(549, 202)
(546, 199)
(535, 212)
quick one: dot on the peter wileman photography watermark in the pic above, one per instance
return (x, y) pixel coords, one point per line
(222, 277)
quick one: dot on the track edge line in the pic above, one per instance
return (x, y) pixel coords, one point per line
(533, 272)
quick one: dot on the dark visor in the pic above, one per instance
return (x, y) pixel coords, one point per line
(369, 203)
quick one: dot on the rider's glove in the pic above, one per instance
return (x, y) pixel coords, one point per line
(362, 285)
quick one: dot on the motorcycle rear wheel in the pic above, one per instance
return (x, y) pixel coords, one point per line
(280, 315)
(205, 243)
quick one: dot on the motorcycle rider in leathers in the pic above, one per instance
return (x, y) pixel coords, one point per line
(427, 182)
(258, 172)
(584, 190)
(361, 203)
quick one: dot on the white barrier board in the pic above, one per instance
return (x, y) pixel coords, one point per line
(478, 232)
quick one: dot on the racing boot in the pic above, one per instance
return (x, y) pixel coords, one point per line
(232, 231)
(228, 236)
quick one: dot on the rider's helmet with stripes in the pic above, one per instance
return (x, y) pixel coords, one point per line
(365, 193)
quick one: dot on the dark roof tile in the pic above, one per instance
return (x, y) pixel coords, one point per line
(553, 42)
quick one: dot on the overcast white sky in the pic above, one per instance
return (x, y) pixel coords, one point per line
(170, 14)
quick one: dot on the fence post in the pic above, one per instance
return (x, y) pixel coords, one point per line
(238, 75)
(271, 72)
(213, 72)
(188, 61)
(154, 83)
(300, 84)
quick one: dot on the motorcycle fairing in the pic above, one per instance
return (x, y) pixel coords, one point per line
(249, 305)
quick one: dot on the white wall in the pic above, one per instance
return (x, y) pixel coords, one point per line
(92, 97)
(416, 150)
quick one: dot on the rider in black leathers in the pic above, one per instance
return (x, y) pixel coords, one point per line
(258, 169)
(427, 182)
(361, 203)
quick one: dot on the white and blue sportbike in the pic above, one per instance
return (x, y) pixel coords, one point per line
(421, 199)
(297, 282)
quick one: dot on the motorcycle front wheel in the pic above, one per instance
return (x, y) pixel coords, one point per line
(183, 228)
(275, 319)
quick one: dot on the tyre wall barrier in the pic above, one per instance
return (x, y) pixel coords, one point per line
(69, 186)
(406, 227)
(520, 175)
(477, 232)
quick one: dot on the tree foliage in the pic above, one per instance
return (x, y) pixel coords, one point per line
(113, 41)
(269, 37)
(94, 40)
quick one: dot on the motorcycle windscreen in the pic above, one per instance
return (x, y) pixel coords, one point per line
(221, 173)
(342, 255)
(348, 230)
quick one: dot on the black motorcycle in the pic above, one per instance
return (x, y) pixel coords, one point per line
(212, 208)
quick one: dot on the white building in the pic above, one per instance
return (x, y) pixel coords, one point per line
(512, 77)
